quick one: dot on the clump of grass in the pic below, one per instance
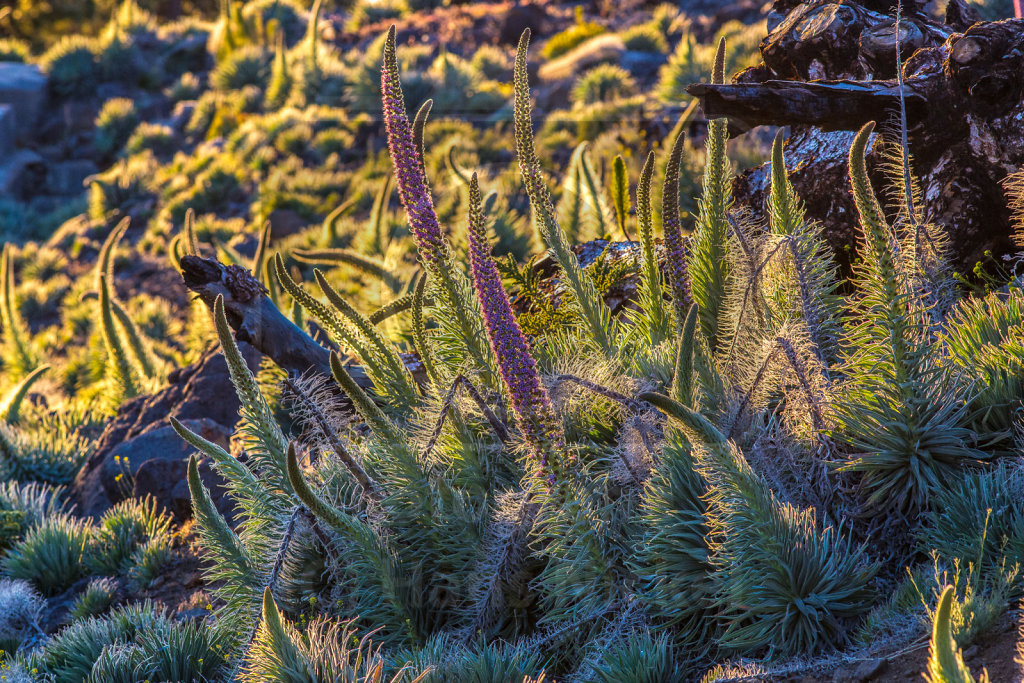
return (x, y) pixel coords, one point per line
(130, 527)
(72, 66)
(645, 38)
(577, 34)
(20, 609)
(115, 123)
(13, 50)
(96, 599)
(51, 554)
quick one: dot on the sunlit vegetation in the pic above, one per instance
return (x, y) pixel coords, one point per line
(753, 459)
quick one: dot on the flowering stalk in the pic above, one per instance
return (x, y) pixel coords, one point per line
(675, 247)
(517, 367)
(412, 182)
(593, 311)
(435, 252)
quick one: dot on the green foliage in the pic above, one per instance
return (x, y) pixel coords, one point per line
(979, 517)
(807, 435)
(154, 137)
(602, 83)
(566, 40)
(242, 67)
(18, 353)
(116, 122)
(51, 554)
(691, 61)
(96, 599)
(366, 12)
(592, 310)
(20, 611)
(72, 66)
(708, 265)
(13, 50)
(123, 531)
(71, 654)
(906, 416)
(645, 38)
(326, 652)
(639, 658)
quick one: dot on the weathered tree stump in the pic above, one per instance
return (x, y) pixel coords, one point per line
(830, 67)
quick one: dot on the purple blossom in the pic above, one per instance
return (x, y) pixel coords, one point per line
(530, 400)
(412, 182)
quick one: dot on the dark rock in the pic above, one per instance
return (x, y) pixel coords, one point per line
(159, 455)
(200, 395)
(165, 480)
(285, 222)
(519, 18)
(23, 86)
(642, 64)
(21, 173)
(68, 177)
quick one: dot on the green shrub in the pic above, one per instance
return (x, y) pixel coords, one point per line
(979, 516)
(96, 599)
(21, 507)
(491, 62)
(187, 87)
(246, 66)
(72, 66)
(366, 12)
(51, 554)
(639, 658)
(20, 610)
(157, 138)
(148, 561)
(603, 83)
(189, 651)
(124, 530)
(577, 34)
(289, 16)
(691, 61)
(117, 663)
(645, 38)
(115, 123)
(69, 655)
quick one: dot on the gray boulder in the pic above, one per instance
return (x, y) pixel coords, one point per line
(23, 86)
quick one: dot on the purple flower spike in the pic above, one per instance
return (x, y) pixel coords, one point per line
(412, 182)
(530, 400)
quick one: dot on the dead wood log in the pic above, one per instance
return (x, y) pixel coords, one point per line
(257, 321)
(829, 67)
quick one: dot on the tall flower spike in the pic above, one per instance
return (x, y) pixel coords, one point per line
(675, 247)
(594, 312)
(518, 369)
(454, 307)
(412, 182)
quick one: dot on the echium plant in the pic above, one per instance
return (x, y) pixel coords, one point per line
(628, 532)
